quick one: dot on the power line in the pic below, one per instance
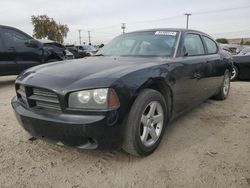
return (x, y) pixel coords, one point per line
(96, 30)
(156, 20)
(177, 16)
(221, 10)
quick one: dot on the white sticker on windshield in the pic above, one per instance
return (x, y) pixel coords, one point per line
(172, 33)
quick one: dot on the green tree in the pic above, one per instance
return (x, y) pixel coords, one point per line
(46, 27)
(222, 40)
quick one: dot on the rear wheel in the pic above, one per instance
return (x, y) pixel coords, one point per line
(225, 87)
(146, 123)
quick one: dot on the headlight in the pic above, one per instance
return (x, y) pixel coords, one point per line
(100, 95)
(104, 98)
(83, 96)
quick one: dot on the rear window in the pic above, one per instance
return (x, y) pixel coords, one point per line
(193, 45)
(211, 45)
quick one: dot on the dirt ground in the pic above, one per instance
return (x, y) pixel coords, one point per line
(208, 147)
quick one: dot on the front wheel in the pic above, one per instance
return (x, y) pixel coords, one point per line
(145, 124)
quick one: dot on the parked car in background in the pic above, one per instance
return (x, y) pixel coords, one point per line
(232, 48)
(125, 95)
(77, 53)
(88, 49)
(19, 51)
(245, 51)
(69, 55)
(241, 68)
(57, 50)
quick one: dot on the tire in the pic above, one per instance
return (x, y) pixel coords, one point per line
(225, 87)
(234, 74)
(147, 117)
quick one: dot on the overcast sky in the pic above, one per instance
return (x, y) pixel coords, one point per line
(104, 17)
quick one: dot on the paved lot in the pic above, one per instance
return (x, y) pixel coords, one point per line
(208, 147)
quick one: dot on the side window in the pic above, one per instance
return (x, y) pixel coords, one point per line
(193, 45)
(211, 45)
(13, 37)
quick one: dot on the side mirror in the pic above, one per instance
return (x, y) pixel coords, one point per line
(32, 43)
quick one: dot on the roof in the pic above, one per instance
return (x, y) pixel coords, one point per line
(181, 30)
(169, 29)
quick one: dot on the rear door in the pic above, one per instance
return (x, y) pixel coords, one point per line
(7, 58)
(188, 73)
(212, 71)
(16, 42)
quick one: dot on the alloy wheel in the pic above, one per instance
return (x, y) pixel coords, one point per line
(226, 85)
(151, 124)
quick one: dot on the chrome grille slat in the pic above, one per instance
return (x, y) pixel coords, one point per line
(48, 105)
(38, 98)
(44, 93)
(45, 99)
(42, 98)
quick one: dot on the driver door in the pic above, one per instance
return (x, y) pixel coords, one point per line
(8, 64)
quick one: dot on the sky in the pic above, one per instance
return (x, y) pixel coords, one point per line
(103, 18)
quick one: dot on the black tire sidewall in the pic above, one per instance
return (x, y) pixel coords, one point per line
(137, 112)
(222, 88)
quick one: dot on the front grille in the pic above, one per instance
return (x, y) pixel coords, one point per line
(21, 94)
(38, 98)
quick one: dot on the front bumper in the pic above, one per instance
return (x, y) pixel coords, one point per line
(82, 131)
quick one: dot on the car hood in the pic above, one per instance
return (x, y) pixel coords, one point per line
(90, 72)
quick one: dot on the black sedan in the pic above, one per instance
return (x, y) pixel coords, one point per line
(87, 49)
(125, 96)
(241, 68)
(76, 52)
(19, 51)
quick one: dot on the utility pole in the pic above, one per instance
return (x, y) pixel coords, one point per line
(123, 27)
(80, 38)
(187, 14)
(89, 38)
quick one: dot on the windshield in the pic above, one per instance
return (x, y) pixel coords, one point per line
(150, 43)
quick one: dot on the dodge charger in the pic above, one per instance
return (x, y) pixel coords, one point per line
(125, 95)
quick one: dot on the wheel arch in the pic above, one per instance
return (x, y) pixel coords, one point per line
(236, 65)
(161, 86)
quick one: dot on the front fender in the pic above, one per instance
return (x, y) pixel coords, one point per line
(129, 86)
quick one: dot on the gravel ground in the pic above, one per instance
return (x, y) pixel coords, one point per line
(208, 147)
